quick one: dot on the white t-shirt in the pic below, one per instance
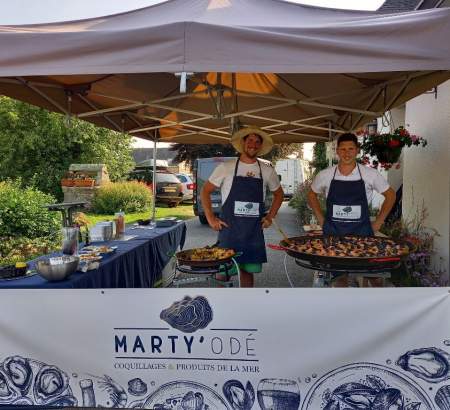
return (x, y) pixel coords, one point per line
(373, 180)
(222, 176)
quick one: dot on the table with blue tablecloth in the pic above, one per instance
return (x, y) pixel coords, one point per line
(137, 262)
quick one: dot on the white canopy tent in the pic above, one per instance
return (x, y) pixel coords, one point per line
(302, 73)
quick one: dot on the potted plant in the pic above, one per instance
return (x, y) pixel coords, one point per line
(385, 148)
(68, 179)
(83, 180)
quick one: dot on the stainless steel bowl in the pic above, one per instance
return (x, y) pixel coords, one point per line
(60, 271)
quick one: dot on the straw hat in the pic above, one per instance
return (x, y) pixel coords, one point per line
(237, 140)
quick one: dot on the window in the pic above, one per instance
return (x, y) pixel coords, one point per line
(161, 177)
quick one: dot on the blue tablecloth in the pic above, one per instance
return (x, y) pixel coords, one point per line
(137, 263)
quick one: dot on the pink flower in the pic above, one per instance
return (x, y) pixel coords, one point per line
(397, 166)
(414, 138)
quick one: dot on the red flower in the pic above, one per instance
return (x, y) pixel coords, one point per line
(393, 143)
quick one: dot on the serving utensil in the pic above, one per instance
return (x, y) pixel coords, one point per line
(285, 237)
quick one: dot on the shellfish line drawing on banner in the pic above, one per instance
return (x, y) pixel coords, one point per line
(366, 386)
(189, 314)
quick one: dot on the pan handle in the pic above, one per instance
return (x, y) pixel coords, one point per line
(275, 247)
(390, 259)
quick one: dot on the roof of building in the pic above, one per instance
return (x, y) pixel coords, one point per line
(399, 6)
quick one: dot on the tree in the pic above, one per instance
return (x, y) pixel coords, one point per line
(320, 160)
(190, 152)
(37, 146)
(280, 151)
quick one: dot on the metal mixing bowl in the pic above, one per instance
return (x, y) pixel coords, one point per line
(60, 271)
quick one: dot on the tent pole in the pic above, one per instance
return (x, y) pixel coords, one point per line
(154, 177)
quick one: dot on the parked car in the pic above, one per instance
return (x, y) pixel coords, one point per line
(203, 168)
(168, 186)
(187, 186)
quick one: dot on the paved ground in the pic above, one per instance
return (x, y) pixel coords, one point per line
(273, 274)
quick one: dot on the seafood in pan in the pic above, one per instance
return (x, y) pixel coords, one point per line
(350, 247)
(208, 254)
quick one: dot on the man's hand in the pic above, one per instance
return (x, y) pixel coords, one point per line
(216, 223)
(321, 220)
(376, 226)
(266, 221)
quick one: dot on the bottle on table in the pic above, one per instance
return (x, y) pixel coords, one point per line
(120, 222)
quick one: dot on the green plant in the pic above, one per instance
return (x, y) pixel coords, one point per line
(320, 160)
(22, 249)
(129, 196)
(38, 146)
(23, 212)
(300, 203)
(418, 269)
(386, 148)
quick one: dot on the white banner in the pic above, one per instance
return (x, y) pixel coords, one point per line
(205, 349)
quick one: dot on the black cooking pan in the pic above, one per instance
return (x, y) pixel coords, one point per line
(341, 262)
(184, 259)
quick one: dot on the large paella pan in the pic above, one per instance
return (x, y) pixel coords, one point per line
(354, 252)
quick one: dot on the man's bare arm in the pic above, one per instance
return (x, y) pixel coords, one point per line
(205, 196)
(313, 202)
(389, 201)
(277, 200)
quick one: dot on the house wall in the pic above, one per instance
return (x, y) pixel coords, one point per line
(426, 170)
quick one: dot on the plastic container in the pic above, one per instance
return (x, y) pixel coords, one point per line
(70, 238)
(120, 222)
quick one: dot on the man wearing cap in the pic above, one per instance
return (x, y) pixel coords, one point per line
(243, 184)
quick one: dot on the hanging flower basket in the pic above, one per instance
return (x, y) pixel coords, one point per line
(385, 149)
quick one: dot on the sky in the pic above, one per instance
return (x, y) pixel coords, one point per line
(46, 11)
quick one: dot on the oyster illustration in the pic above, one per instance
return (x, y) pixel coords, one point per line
(19, 372)
(237, 396)
(193, 401)
(64, 401)
(7, 392)
(442, 398)
(188, 315)
(137, 387)
(50, 382)
(429, 364)
(249, 205)
(347, 209)
(23, 401)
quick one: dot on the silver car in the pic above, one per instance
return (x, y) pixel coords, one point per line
(187, 186)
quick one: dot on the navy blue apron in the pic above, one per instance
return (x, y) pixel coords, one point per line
(242, 211)
(347, 208)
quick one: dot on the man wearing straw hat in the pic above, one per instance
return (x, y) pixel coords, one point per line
(243, 184)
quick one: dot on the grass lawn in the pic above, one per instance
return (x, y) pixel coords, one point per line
(182, 211)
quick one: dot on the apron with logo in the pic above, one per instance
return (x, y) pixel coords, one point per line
(347, 208)
(243, 211)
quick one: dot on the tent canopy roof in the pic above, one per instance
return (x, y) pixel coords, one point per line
(230, 36)
(300, 72)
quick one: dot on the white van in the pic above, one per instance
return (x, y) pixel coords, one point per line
(291, 175)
